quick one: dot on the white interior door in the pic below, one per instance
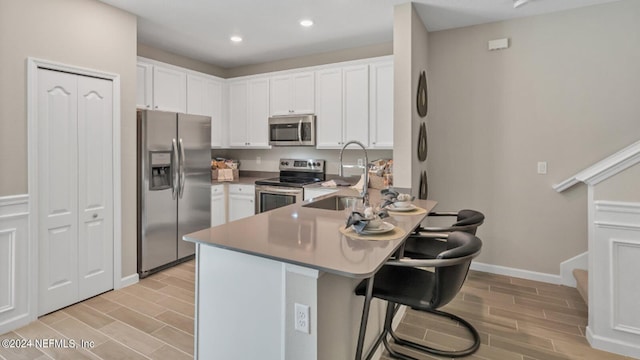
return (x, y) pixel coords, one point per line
(58, 189)
(75, 211)
(95, 186)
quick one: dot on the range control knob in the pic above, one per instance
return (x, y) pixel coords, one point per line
(317, 164)
(286, 163)
(282, 163)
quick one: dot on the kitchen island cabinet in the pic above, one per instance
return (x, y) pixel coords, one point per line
(250, 274)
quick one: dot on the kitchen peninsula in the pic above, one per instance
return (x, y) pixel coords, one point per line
(251, 273)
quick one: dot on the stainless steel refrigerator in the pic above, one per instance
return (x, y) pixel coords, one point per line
(174, 186)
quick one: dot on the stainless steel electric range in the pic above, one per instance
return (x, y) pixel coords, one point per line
(288, 188)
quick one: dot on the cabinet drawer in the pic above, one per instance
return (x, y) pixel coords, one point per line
(241, 189)
(217, 190)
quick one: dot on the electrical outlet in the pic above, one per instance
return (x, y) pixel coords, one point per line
(301, 318)
(360, 162)
(258, 160)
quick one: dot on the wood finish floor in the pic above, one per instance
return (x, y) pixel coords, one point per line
(517, 319)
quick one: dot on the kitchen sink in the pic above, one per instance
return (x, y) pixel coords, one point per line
(335, 202)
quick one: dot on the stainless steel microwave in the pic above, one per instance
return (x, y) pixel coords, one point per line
(292, 130)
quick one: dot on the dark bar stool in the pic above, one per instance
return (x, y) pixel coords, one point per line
(466, 221)
(402, 282)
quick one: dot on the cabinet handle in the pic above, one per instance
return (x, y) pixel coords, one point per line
(148, 106)
(95, 216)
(156, 106)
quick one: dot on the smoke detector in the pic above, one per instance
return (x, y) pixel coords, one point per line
(518, 3)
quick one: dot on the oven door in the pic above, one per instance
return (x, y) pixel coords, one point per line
(273, 197)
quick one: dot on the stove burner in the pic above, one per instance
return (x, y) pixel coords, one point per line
(288, 181)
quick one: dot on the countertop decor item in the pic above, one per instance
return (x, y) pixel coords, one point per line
(421, 98)
(422, 142)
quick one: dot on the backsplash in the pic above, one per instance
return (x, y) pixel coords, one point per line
(269, 158)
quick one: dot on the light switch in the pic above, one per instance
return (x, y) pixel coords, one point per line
(542, 167)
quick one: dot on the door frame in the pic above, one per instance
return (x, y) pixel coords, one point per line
(33, 64)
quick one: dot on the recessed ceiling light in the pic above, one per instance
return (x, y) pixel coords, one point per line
(236, 39)
(306, 22)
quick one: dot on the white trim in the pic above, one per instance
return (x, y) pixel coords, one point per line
(32, 155)
(613, 345)
(618, 206)
(129, 280)
(604, 169)
(580, 261)
(519, 273)
(14, 205)
(616, 225)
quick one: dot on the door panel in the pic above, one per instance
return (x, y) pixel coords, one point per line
(194, 205)
(57, 188)
(157, 245)
(356, 103)
(95, 187)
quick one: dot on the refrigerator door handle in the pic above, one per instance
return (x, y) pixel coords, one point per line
(174, 168)
(181, 169)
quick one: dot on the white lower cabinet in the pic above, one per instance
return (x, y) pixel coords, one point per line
(218, 206)
(316, 192)
(241, 201)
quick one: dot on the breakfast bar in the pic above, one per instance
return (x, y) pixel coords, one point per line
(279, 285)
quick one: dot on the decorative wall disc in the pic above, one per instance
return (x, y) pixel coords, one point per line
(422, 142)
(422, 99)
(424, 186)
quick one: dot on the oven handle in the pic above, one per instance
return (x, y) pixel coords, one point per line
(300, 131)
(279, 189)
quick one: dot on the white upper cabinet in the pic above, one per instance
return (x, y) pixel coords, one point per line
(342, 99)
(169, 89)
(381, 105)
(249, 113)
(205, 97)
(292, 94)
(355, 91)
(144, 85)
(329, 108)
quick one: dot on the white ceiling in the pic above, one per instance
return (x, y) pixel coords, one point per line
(200, 29)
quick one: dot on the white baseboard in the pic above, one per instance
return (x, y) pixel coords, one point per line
(612, 345)
(520, 273)
(566, 268)
(128, 281)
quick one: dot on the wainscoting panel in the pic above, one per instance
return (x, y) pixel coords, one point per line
(614, 250)
(14, 262)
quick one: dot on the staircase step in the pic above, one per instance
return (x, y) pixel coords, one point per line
(582, 283)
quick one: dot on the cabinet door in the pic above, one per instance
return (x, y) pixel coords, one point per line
(144, 85)
(303, 93)
(238, 114)
(214, 94)
(218, 209)
(240, 206)
(381, 106)
(197, 102)
(329, 108)
(169, 89)
(281, 94)
(355, 86)
(258, 117)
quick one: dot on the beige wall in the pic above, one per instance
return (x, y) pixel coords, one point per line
(566, 92)
(624, 186)
(179, 60)
(410, 50)
(82, 33)
(313, 60)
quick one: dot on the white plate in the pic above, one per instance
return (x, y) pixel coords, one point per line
(392, 207)
(385, 227)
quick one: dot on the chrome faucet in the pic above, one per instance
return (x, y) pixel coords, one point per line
(365, 188)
